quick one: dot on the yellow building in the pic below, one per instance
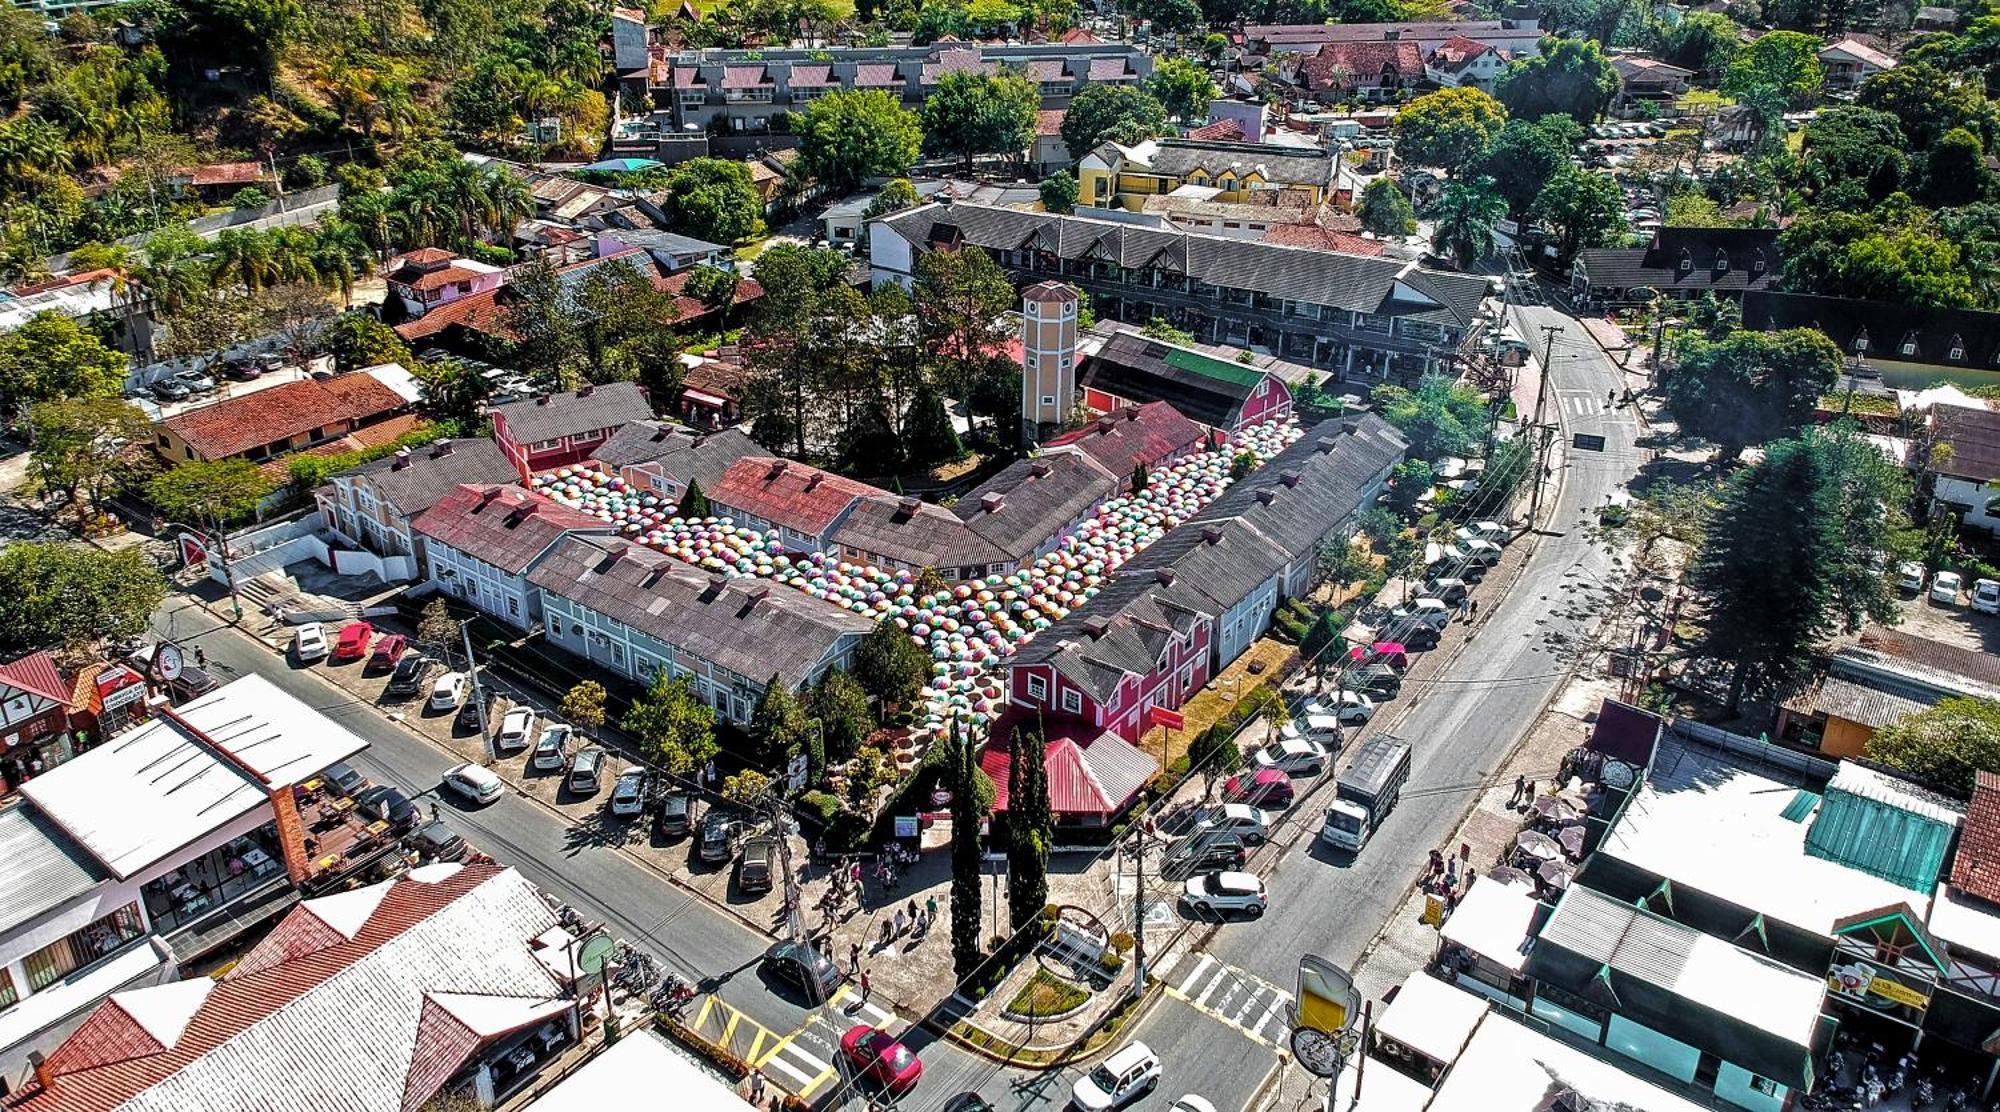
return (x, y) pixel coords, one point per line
(1114, 175)
(1885, 677)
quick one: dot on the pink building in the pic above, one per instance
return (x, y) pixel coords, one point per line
(556, 430)
(431, 276)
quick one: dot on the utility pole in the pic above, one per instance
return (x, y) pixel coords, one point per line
(478, 697)
(1139, 910)
(1547, 435)
(794, 912)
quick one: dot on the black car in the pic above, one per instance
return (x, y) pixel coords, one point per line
(242, 370)
(438, 842)
(1207, 852)
(670, 818)
(759, 861)
(342, 779)
(408, 678)
(170, 390)
(383, 802)
(468, 711)
(804, 968)
(967, 1102)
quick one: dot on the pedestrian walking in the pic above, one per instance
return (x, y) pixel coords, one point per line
(1437, 862)
(200, 658)
(756, 1080)
(913, 909)
(930, 909)
(902, 923)
(854, 958)
(865, 986)
(1475, 608)
(1465, 608)
(1520, 785)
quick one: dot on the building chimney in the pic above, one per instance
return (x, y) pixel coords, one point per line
(778, 467)
(586, 390)
(654, 576)
(1040, 468)
(402, 459)
(1350, 426)
(717, 583)
(991, 501)
(45, 1078)
(755, 595)
(813, 479)
(441, 449)
(907, 505)
(1106, 424)
(1163, 576)
(1289, 478)
(1131, 412)
(1324, 445)
(1211, 534)
(1096, 626)
(612, 555)
(487, 496)
(1267, 496)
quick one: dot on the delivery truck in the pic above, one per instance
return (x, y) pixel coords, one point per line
(1366, 792)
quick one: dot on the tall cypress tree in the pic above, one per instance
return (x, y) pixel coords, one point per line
(962, 771)
(928, 437)
(1029, 827)
(693, 502)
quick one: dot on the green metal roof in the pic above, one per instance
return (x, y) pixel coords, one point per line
(1802, 804)
(1210, 367)
(1880, 839)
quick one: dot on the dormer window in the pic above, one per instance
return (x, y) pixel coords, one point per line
(1721, 259)
(1861, 341)
(1687, 260)
(1957, 348)
(1910, 344)
(1757, 261)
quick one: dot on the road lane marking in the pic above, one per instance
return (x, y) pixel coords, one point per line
(1194, 974)
(812, 1086)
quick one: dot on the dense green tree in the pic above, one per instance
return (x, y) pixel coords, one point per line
(961, 776)
(82, 447)
(1890, 254)
(868, 443)
(1789, 557)
(1447, 129)
(713, 199)
(1183, 87)
(583, 706)
(928, 436)
(847, 137)
(1569, 76)
(1927, 102)
(1854, 157)
(1463, 219)
(357, 340)
(1947, 744)
(1955, 170)
(52, 357)
(1704, 42)
(1171, 17)
(961, 298)
(209, 492)
(1100, 112)
(895, 196)
(1749, 387)
(1409, 481)
(842, 709)
(1437, 417)
(674, 730)
(694, 504)
(1030, 827)
(1523, 156)
(1583, 209)
(1214, 753)
(1320, 647)
(778, 726)
(1059, 192)
(1597, 20)
(27, 54)
(889, 665)
(1785, 60)
(73, 594)
(970, 114)
(1384, 210)
(452, 390)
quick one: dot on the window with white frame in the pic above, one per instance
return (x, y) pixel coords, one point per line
(1038, 688)
(1072, 702)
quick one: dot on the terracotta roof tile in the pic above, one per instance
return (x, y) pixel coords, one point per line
(425, 256)
(1977, 868)
(1137, 434)
(238, 424)
(801, 498)
(1108, 69)
(436, 279)
(1324, 239)
(229, 173)
(1049, 121)
(1224, 130)
(1344, 64)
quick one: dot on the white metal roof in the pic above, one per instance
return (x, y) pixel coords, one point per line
(1493, 920)
(155, 788)
(1432, 1018)
(1383, 1089)
(1509, 1068)
(1719, 828)
(640, 1063)
(1965, 921)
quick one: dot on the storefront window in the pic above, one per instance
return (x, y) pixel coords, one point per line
(210, 882)
(9, 995)
(64, 956)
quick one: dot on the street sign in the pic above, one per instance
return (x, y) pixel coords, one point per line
(908, 826)
(1588, 442)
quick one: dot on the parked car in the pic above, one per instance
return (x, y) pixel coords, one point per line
(1377, 681)
(448, 691)
(1424, 612)
(408, 678)
(1264, 787)
(1222, 893)
(1191, 1102)
(1910, 577)
(1944, 588)
(243, 370)
(670, 818)
(171, 390)
(1204, 852)
(383, 803)
(1129, 1073)
(1237, 818)
(876, 1054)
(309, 642)
(718, 837)
(1475, 553)
(475, 782)
(1986, 596)
(1315, 723)
(1352, 708)
(353, 641)
(476, 710)
(1482, 531)
(516, 730)
(438, 842)
(389, 651)
(628, 793)
(805, 968)
(1294, 756)
(586, 771)
(1447, 589)
(552, 748)
(196, 381)
(342, 779)
(756, 864)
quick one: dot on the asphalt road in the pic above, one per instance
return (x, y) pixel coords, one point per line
(1223, 1019)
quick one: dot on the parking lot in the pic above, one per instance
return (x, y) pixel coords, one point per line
(1955, 624)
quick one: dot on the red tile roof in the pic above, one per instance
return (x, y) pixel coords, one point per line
(1458, 50)
(436, 279)
(803, 499)
(1324, 239)
(279, 470)
(232, 427)
(1047, 69)
(38, 674)
(744, 77)
(504, 526)
(1048, 121)
(874, 75)
(479, 312)
(1136, 434)
(694, 308)
(1977, 867)
(1077, 36)
(1346, 64)
(229, 173)
(684, 77)
(1223, 130)
(425, 256)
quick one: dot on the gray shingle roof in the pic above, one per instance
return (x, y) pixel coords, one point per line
(922, 535)
(1690, 260)
(551, 417)
(1035, 499)
(680, 453)
(1358, 283)
(1311, 487)
(429, 474)
(40, 868)
(749, 626)
(1278, 164)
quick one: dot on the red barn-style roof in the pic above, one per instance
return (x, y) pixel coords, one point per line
(794, 495)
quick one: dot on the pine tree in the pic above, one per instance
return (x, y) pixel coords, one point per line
(1029, 827)
(1141, 479)
(928, 436)
(889, 665)
(961, 770)
(694, 504)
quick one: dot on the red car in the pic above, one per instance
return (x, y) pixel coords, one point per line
(353, 642)
(1264, 787)
(389, 650)
(877, 1054)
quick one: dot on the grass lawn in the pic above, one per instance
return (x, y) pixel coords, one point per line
(1046, 994)
(1211, 703)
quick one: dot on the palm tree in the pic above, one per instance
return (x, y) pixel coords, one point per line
(246, 257)
(509, 200)
(1464, 217)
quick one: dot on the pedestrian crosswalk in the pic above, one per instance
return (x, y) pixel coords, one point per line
(1583, 405)
(1228, 995)
(799, 1061)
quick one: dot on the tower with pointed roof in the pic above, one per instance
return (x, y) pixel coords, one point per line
(1048, 358)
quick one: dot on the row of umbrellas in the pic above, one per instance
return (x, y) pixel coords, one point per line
(1553, 856)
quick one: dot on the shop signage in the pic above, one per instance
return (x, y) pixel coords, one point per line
(1858, 981)
(907, 826)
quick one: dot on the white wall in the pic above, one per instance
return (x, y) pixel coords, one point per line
(1965, 492)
